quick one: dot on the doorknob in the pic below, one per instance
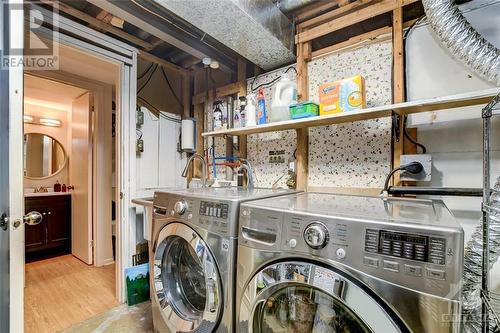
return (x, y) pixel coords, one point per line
(32, 218)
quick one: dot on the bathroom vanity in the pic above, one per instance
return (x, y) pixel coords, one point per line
(53, 235)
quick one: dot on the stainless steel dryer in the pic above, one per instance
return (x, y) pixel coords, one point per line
(324, 263)
(193, 258)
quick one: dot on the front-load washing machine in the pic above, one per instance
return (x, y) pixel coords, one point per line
(324, 263)
(193, 257)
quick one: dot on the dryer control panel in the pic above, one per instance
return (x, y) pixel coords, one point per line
(406, 245)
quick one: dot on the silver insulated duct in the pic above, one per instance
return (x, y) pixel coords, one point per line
(257, 30)
(462, 40)
(483, 58)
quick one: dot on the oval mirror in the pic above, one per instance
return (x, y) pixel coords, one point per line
(44, 156)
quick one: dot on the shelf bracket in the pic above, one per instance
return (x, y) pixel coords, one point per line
(396, 126)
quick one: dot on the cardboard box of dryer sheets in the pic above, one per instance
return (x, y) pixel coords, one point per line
(342, 96)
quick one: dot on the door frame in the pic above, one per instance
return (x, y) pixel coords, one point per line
(75, 35)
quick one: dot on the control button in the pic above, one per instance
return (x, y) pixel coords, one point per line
(190, 216)
(372, 262)
(316, 235)
(180, 207)
(292, 243)
(413, 270)
(391, 266)
(340, 253)
(436, 274)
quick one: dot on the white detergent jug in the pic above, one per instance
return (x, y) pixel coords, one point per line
(285, 94)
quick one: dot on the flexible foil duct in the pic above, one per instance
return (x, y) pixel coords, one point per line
(473, 265)
(462, 40)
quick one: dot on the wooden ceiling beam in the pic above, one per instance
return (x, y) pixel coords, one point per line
(358, 16)
(335, 13)
(98, 23)
(315, 10)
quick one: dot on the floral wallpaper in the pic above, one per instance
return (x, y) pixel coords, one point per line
(347, 155)
(353, 154)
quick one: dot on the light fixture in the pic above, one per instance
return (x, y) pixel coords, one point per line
(28, 119)
(214, 64)
(50, 122)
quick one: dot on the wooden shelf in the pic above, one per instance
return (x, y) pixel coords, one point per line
(433, 104)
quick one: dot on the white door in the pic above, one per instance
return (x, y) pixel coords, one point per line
(11, 175)
(80, 173)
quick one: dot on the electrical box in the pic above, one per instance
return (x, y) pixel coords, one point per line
(425, 160)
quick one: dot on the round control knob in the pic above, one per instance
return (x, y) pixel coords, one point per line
(316, 235)
(340, 253)
(180, 207)
(292, 243)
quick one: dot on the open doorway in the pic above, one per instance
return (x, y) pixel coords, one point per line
(68, 134)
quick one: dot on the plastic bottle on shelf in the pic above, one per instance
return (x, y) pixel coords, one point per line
(285, 94)
(261, 101)
(251, 111)
(217, 116)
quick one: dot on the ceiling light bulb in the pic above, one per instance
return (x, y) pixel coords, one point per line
(50, 122)
(206, 61)
(28, 119)
(214, 64)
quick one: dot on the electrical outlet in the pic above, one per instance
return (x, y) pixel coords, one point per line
(139, 118)
(139, 147)
(425, 160)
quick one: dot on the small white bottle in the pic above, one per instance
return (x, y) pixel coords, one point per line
(251, 111)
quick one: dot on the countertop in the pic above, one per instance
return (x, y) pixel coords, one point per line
(45, 194)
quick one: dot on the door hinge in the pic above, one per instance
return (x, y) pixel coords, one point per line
(92, 243)
(121, 195)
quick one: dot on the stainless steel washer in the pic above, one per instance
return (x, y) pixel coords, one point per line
(314, 263)
(193, 257)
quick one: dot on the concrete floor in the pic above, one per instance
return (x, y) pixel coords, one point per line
(124, 318)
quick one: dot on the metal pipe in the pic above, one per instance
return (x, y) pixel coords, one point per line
(442, 191)
(486, 218)
(203, 168)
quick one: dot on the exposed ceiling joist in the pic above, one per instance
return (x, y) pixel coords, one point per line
(134, 19)
(98, 23)
(351, 19)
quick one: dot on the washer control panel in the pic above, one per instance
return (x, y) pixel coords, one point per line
(214, 209)
(405, 245)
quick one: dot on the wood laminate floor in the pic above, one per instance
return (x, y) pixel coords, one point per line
(63, 291)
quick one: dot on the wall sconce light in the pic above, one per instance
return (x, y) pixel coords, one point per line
(28, 119)
(50, 122)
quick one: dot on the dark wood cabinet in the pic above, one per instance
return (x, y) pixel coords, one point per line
(53, 235)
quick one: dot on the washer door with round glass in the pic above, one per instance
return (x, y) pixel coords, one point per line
(187, 283)
(295, 297)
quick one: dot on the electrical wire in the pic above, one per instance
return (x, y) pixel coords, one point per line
(412, 140)
(270, 83)
(160, 113)
(146, 71)
(149, 79)
(170, 86)
(388, 178)
(138, 131)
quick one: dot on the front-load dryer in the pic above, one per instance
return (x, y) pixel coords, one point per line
(193, 258)
(324, 263)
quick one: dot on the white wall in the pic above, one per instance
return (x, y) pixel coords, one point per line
(160, 165)
(58, 133)
(454, 137)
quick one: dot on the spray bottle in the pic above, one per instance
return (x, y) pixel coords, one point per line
(251, 111)
(261, 101)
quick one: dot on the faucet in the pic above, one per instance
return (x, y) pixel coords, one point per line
(245, 165)
(203, 168)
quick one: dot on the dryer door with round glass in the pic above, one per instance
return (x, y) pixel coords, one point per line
(302, 297)
(187, 283)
